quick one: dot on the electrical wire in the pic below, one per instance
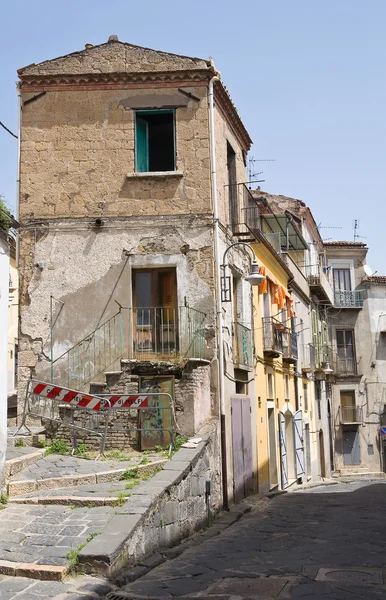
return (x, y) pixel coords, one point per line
(6, 129)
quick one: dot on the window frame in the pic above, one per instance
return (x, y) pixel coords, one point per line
(145, 112)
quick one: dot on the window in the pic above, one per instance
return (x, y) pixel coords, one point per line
(155, 315)
(342, 280)
(347, 406)
(232, 186)
(287, 387)
(305, 396)
(318, 395)
(154, 140)
(345, 349)
(270, 387)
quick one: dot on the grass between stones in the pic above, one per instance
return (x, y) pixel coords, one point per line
(73, 554)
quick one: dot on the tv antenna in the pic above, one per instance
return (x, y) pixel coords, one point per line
(251, 173)
(356, 228)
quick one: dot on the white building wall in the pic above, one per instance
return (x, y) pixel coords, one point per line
(4, 288)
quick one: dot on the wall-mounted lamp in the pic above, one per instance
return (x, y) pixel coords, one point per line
(328, 370)
(253, 277)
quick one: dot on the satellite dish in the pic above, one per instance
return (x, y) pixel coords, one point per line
(368, 270)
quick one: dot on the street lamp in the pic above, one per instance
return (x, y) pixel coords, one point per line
(254, 277)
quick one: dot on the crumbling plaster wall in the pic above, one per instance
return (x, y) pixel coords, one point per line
(89, 269)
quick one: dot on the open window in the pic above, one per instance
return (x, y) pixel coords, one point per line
(154, 140)
(155, 312)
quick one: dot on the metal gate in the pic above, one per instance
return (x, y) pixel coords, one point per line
(283, 451)
(242, 447)
(299, 443)
(351, 449)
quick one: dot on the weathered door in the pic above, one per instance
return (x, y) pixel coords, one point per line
(299, 443)
(156, 422)
(283, 451)
(241, 447)
(351, 449)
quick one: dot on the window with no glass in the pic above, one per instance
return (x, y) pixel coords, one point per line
(154, 140)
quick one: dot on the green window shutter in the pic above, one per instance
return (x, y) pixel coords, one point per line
(141, 145)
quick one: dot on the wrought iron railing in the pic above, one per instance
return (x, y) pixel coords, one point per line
(243, 348)
(350, 414)
(290, 345)
(345, 366)
(345, 299)
(273, 335)
(324, 356)
(90, 357)
(309, 357)
(166, 332)
(244, 211)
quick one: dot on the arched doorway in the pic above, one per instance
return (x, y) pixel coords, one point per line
(322, 460)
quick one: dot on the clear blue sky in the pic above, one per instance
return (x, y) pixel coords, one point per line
(308, 79)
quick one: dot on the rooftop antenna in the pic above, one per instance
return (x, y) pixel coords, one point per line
(251, 174)
(356, 228)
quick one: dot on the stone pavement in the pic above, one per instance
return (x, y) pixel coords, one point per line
(326, 542)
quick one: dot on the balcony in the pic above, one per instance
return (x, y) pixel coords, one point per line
(290, 346)
(161, 332)
(309, 358)
(273, 337)
(319, 284)
(344, 299)
(243, 349)
(324, 356)
(245, 217)
(345, 366)
(350, 415)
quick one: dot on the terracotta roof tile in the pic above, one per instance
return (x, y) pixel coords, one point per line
(345, 243)
(375, 279)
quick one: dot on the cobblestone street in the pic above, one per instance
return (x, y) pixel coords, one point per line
(327, 542)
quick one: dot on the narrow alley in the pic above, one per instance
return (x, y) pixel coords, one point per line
(327, 542)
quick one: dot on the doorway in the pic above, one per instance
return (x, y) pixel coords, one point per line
(241, 447)
(155, 313)
(351, 448)
(272, 450)
(322, 457)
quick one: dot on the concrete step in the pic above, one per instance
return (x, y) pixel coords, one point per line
(362, 475)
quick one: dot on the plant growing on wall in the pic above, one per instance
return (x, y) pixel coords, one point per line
(5, 216)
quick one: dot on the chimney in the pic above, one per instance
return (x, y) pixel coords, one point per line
(113, 38)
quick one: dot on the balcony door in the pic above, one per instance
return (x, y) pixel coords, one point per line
(342, 280)
(345, 349)
(155, 313)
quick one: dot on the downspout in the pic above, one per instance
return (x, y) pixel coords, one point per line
(220, 340)
(19, 111)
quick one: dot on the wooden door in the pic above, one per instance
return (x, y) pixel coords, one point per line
(241, 447)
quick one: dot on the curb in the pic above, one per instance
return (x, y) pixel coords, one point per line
(15, 465)
(67, 501)
(32, 570)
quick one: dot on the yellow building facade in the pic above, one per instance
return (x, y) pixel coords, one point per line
(284, 398)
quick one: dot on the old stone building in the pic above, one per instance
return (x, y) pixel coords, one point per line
(133, 163)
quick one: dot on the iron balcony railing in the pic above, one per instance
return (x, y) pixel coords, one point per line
(244, 212)
(308, 358)
(90, 357)
(273, 335)
(324, 356)
(345, 299)
(243, 348)
(350, 414)
(166, 332)
(345, 366)
(290, 345)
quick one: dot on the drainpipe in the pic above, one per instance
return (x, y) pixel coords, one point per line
(19, 110)
(220, 341)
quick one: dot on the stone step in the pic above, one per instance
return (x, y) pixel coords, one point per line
(362, 475)
(33, 571)
(19, 459)
(27, 485)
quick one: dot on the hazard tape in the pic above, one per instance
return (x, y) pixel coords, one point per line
(88, 401)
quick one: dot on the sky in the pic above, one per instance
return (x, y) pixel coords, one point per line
(308, 79)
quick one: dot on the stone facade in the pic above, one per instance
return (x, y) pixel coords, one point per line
(90, 218)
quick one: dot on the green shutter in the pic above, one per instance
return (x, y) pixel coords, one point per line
(141, 145)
